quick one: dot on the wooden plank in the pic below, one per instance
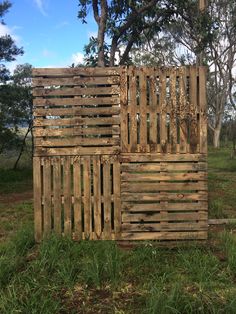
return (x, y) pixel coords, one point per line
(143, 110)
(56, 162)
(106, 71)
(74, 141)
(193, 141)
(163, 111)
(82, 101)
(67, 195)
(117, 197)
(75, 131)
(173, 113)
(114, 110)
(140, 217)
(183, 111)
(97, 196)
(164, 186)
(153, 112)
(150, 227)
(77, 186)
(165, 235)
(133, 106)
(73, 151)
(165, 196)
(123, 111)
(87, 197)
(107, 198)
(203, 111)
(47, 214)
(161, 157)
(151, 167)
(76, 80)
(37, 199)
(76, 91)
(76, 121)
(201, 176)
(152, 207)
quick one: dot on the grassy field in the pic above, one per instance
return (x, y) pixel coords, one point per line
(60, 276)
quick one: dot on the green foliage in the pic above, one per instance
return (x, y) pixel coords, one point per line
(8, 49)
(16, 104)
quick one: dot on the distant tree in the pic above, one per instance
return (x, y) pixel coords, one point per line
(16, 105)
(211, 34)
(121, 25)
(8, 49)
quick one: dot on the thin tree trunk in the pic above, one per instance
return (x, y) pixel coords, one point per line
(216, 138)
(22, 147)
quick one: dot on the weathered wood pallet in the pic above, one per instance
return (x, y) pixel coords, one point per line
(120, 153)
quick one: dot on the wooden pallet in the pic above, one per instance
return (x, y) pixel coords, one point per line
(120, 153)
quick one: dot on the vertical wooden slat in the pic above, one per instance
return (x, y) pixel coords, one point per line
(97, 196)
(107, 198)
(57, 194)
(67, 196)
(133, 110)
(47, 196)
(143, 110)
(77, 199)
(117, 200)
(153, 112)
(193, 110)
(182, 108)
(173, 112)
(87, 197)
(123, 108)
(203, 113)
(37, 199)
(163, 129)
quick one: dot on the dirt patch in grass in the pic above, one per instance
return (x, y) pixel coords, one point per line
(82, 299)
(16, 197)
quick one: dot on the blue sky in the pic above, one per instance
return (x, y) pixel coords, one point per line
(49, 31)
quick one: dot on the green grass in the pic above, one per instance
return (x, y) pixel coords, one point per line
(61, 276)
(222, 183)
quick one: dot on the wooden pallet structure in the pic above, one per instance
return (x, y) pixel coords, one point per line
(120, 153)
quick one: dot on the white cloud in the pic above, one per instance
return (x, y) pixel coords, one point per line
(40, 6)
(62, 24)
(47, 53)
(77, 57)
(5, 30)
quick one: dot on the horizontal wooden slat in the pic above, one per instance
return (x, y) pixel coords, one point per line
(137, 157)
(76, 91)
(189, 235)
(76, 141)
(76, 121)
(77, 111)
(55, 101)
(163, 186)
(152, 207)
(150, 167)
(150, 227)
(75, 131)
(164, 196)
(86, 71)
(74, 151)
(90, 80)
(163, 177)
(127, 217)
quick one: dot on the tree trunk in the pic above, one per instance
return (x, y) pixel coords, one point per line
(216, 138)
